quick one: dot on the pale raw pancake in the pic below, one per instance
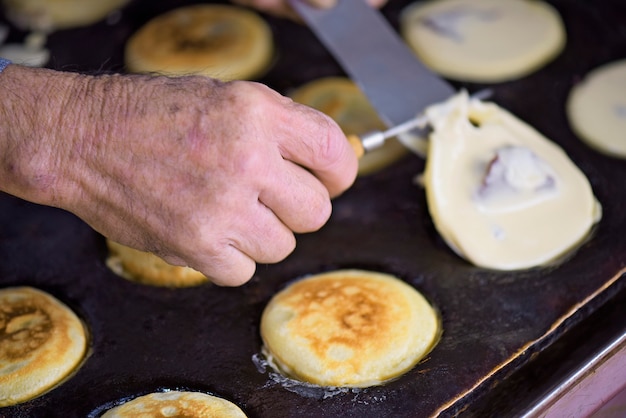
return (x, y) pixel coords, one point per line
(596, 109)
(176, 404)
(341, 99)
(348, 328)
(220, 41)
(41, 342)
(31, 52)
(49, 15)
(502, 195)
(147, 268)
(483, 40)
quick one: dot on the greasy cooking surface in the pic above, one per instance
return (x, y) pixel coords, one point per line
(204, 338)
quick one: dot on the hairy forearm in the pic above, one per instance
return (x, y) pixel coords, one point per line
(207, 174)
(56, 133)
(35, 109)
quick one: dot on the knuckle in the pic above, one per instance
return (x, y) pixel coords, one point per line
(276, 246)
(250, 164)
(225, 265)
(237, 276)
(247, 93)
(317, 213)
(321, 214)
(287, 248)
(329, 147)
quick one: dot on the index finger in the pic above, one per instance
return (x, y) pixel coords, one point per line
(314, 141)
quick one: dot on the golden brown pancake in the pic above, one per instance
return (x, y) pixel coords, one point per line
(350, 328)
(49, 15)
(219, 41)
(41, 342)
(176, 404)
(341, 99)
(147, 268)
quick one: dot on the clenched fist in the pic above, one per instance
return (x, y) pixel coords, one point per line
(216, 176)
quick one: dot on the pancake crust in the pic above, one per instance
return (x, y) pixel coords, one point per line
(176, 404)
(147, 268)
(219, 41)
(49, 15)
(483, 40)
(41, 342)
(349, 328)
(341, 99)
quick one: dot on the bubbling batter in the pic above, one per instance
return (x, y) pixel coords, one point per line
(500, 194)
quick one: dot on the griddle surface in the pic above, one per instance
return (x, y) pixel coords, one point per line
(204, 338)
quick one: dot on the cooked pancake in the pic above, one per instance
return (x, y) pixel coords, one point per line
(41, 342)
(348, 328)
(483, 40)
(49, 15)
(500, 194)
(596, 109)
(219, 41)
(341, 99)
(176, 404)
(147, 268)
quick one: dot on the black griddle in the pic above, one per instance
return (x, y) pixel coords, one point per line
(206, 338)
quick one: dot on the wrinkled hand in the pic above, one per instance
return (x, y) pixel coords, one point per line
(283, 9)
(216, 176)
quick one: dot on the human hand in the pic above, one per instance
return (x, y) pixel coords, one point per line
(283, 9)
(216, 176)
